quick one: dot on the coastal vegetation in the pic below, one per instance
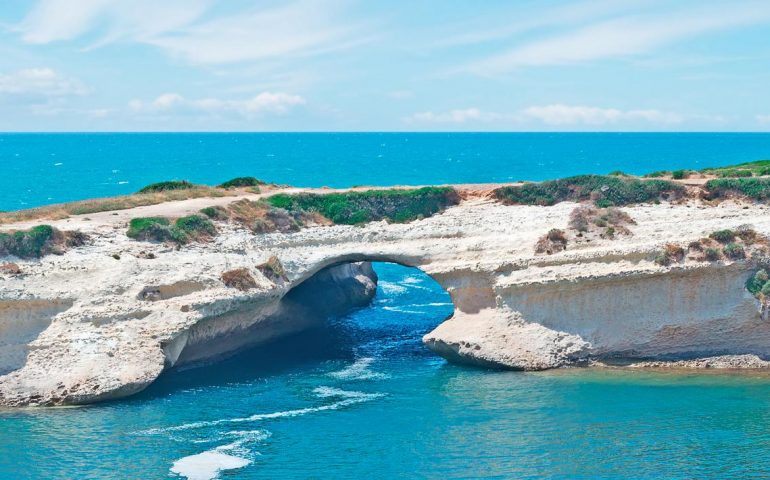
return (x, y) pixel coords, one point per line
(39, 241)
(602, 190)
(732, 244)
(273, 270)
(608, 221)
(166, 186)
(749, 169)
(552, 242)
(350, 208)
(242, 182)
(752, 188)
(192, 228)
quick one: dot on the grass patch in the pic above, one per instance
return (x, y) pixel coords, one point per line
(748, 169)
(604, 191)
(39, 241)
(160, 229)
(240, 279)
(241, 182)
(166, 186)
(350, 208)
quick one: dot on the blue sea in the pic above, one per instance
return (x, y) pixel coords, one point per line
(361, 397)
(37, 169)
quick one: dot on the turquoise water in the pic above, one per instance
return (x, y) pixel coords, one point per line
(37, 169)
(363, 399)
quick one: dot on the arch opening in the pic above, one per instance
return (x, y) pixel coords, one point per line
(336, 320)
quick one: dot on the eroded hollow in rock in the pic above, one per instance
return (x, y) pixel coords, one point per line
(21, 321)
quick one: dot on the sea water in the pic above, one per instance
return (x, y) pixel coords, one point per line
(362, 397)
(37, 169)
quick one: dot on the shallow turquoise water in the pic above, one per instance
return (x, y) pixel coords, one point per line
(363, 399)
(37, 169)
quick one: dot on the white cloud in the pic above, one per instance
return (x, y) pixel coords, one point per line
(58, 20)
(263, 103)
(560, 114)
(43, 82)
(456, 116)
(555, 114)
(622, 37)
(182, 28)
(763, 119)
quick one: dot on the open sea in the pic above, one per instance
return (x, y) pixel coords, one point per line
(361, 398)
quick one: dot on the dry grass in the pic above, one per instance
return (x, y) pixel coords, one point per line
(64, 210)
(552, 242)
(240, 279)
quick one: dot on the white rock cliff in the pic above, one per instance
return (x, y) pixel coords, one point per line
(77, 328)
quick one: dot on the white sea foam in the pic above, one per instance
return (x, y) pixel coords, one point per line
(348, 398)
(411, 279)
(400, 310)
(358, 370)
(207, 465)
(391, 288)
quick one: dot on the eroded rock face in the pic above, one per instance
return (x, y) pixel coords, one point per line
(501, 337)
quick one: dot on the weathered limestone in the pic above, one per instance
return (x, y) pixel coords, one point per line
(106, 327)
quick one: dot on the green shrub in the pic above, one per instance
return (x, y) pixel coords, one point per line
(735, 173)
(26, 243)
(149, 229)
(662, 259)
(618, 173)
(766, 289)
(712, 254)
(757, 281)
(734, 251)
(723, 236)
(679, 174)
(39, 241)
(350, 208)
(160, 229)
(216, 213)
(605, 191)
(192, 228)
(657, 174)
(754, 188)
(166, 186)
(242, 182)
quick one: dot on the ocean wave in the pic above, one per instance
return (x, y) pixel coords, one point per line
(359, 370)
(348, 398)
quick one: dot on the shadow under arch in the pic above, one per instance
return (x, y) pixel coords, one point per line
(390, 320)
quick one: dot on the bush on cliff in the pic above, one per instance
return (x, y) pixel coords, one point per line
(159, 229)
(552, 242)
(241, 182)
(753, 188)
(757, 281)
(39, 241)
(166, 186)
(733, 251)
(604, 191)
(723, 236)
(350, 208)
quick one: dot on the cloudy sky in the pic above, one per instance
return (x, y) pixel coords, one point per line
(306, 65)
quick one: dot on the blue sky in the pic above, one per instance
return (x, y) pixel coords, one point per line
(420, 65)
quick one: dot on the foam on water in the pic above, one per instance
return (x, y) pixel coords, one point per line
(359, 370)
(348, 398)
(391, 288)
(207, 465)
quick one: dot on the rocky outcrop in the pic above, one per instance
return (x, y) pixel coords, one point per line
(116, 313)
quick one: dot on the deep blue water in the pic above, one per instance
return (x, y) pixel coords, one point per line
(362, 398)
(37, 169)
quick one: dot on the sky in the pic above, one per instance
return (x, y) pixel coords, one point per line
(417, 65)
